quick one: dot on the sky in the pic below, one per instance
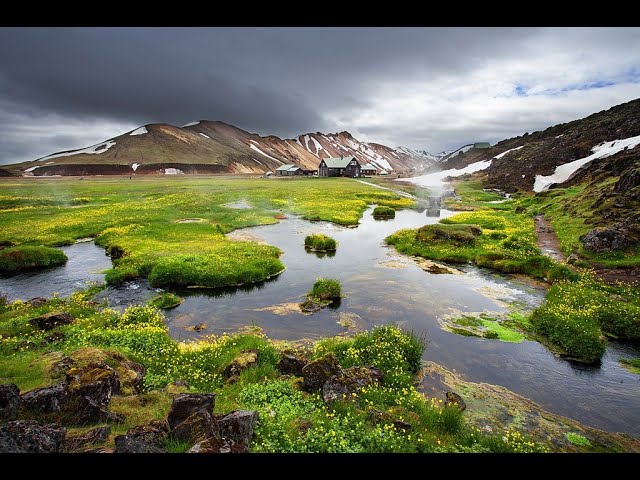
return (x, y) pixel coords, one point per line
(430, 89)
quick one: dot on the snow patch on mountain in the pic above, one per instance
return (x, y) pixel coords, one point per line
(206, 136)
(139, 131)
(436, 179)
(94, 149)
(191, 124)
(510, 150)
(253, 147)
(563, 172)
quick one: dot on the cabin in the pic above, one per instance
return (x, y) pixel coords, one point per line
(368, 169)
(482, 145)
(340, 167)
(289, 169)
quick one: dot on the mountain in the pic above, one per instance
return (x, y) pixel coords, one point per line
(215, 147)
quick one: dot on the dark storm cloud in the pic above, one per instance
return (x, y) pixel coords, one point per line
(67, 88)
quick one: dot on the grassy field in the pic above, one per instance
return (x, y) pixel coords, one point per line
(173, 229)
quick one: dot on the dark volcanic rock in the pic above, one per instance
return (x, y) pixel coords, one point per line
(238, 426)
(402, 425)
(153, 433)
(79, 442)
(343, 385)
(185, 405)
(128, 444)
(9, 401)
(45, 400)
(96, 381)
(218, 445)
(628, 181)
(51, 320)
(197, 427)
(291, 365)
(601, 239)
(37, 302)
(28, 436)
(54, 337)
(319, 371)
(454, 399)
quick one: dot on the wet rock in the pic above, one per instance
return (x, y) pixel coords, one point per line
(198, 327)
(37, 302)
(290, 364)
(454, 399)
(51, 320)
(28, 436)
(185, 405)
(128, 444)
(218, 445)
(345, 384)
(316, 373)
(80, 442)
(153, 433)
(243, 361)
(402, 425)
(601, 239)
(197, 427)
(238, 426)
(45, 400)
(9, 401)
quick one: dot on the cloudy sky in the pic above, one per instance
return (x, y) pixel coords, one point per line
(426, 88)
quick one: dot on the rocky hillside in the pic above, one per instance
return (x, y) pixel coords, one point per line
(215, 147)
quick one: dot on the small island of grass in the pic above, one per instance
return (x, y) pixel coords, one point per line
(166, 300)
(319, 242)
(27, 257)
(384, 212)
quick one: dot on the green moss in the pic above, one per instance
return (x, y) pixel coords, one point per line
(320, 243)
(383, 211)
(326, 289)
(502, 333)
(27, 257)
(632, 364)
(166, 300)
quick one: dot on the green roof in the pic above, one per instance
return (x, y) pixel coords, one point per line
(368, 166)
(481, 145)
(336, 162)
(284, 168)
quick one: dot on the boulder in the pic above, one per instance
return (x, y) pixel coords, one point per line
(197, 427)
(628, 181)
(58, 364)
(130, 374)
(96, 381)
(238, 426)
(153, 433)
(37, 302)
(45, 400)
(51, 320)
(454, 399)
(601, 239)
(243, 361)
(28, 436)
(128, 444)
(81, 441)
(9, 401)
(402, 425)
(218, 445)
(316, 373)
(54, 337)
(291, 365)
(520, 209)
(187, 404)
(343, 385)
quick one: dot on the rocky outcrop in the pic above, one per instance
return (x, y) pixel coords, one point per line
(9, 402)
(37, 302)
(185, 405)
(51, 320)
(238, 426)
(197, 427)
(290, 364)
(81, 442)
(130, 374)
(218, 445)
(316, 373)
(128, 444)
(45, 400)
(348, 382)
(28, 436)
(243, 361)
(602, 239)
(153, 433)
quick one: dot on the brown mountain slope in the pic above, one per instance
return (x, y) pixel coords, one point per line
(213, 147)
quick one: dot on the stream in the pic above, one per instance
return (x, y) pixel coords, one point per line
(380, 286)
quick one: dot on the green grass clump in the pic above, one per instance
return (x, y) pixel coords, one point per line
(633, 364)
(458, 234)
(577, 439)
(27, 257)
(165, 300)
(326, 289)
(561, 272)
(320, 243)
(384, 211)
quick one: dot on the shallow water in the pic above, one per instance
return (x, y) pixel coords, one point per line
(381, 286)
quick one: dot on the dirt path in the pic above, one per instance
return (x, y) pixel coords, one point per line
(547, 239)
